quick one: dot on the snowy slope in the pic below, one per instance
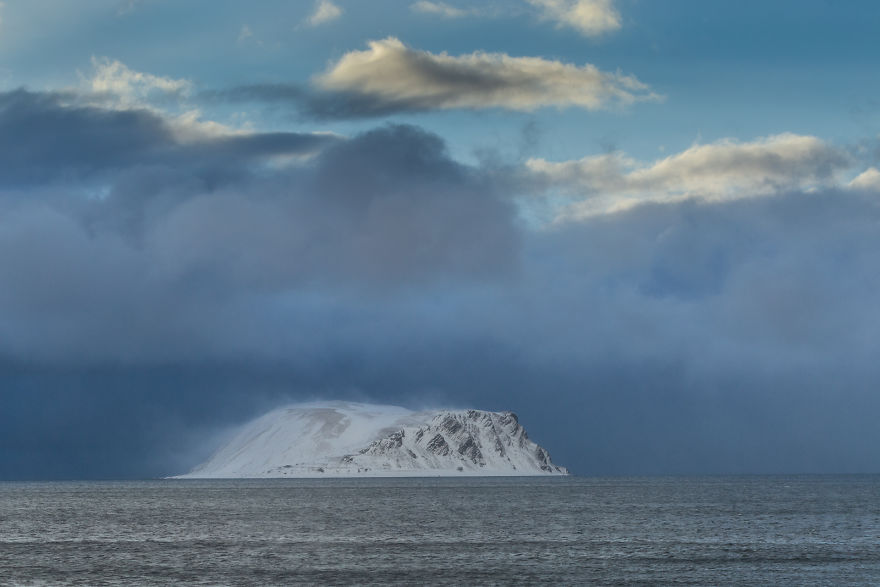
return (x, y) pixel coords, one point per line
(340, 439)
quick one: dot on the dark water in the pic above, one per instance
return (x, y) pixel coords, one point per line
(709, 531)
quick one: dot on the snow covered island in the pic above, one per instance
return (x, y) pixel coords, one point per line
(341, 439)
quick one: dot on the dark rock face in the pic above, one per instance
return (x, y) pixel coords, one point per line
(438, 446)
(384, 445)
(543, 458)
(508, 418)
(499, 448)
(470, 450)
(450, 425)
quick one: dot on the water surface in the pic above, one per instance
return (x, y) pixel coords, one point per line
(712, 530)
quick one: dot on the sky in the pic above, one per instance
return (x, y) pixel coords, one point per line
(651, 229)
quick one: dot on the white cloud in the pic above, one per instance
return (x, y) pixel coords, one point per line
(441, 9)
(114, 85)
(245, 33)
(131, 87)
(127, 7)
(589, 17)
(726, 169)
(325, 11)
(867, 180)
(398, 77)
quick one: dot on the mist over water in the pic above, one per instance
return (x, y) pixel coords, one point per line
(699, 530)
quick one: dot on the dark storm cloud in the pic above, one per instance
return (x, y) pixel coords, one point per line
(735, 336)
(43, 137)
(309, 103)
(164, 260)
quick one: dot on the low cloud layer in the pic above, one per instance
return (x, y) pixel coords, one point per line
(394, 77)
(141, 219)
(169, 289)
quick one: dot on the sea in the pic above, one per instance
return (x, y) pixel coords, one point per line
(801, 530)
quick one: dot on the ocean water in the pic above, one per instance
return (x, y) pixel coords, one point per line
(568, 531)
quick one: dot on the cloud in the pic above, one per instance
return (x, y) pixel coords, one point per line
(402, 212)
(389, 76)
(128, 6)
(722, 170)
(867, 180)
(156, 290)
(144, 226)
(325, 11)
(383, 210)
(589, 17)
(245, 34)
(113, 85)
(50, 137)
(131, 88)
(719, 328)
(441, 9)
